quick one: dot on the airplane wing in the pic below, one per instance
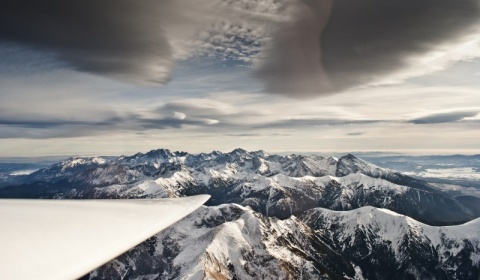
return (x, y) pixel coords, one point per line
(66, 239)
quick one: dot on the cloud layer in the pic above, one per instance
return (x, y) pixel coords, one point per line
(128, 40)
(290, 63)
(330, 46)
(359, 120)
(299, 48)
(444, 117)
(367, 39)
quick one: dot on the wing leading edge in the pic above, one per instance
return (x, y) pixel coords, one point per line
(65, 239)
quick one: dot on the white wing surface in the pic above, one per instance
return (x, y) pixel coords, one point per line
(65, 239)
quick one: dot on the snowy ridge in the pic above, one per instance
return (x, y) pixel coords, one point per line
(391, 226)
(384, 232)
(238, 163)
(231, 241)
(273, 185)
(82, 161)
(234, 242)
(358, 179)
(68, 167)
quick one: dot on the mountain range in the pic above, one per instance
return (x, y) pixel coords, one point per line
(276, 217)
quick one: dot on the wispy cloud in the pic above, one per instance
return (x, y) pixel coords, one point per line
(443, 117)
(198, 107)
(46, 124)
(303, 123)
(355, 133)
(243, 134)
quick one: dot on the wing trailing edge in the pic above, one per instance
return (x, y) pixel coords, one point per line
(65, 239)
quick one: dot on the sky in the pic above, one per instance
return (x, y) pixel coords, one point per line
(117, 77)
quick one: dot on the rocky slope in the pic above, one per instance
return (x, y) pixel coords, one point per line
(234, 242)
(387, 245)
(231, 242)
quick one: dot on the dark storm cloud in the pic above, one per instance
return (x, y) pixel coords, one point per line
(363, 41)
(443, 118)
(116, 38)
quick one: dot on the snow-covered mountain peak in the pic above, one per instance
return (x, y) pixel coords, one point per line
(69, 167)
(383, 227)
(239, 151)
(260, 153)
(76, 161)
(351, 164)
(234, 242)
(151, 157)
(274, 185)
(161, 153)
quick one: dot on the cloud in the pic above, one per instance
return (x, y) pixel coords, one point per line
(243, 134)
(137, 41)
(43, 127)
(366, 39)
(64, 128)
(197, 107)
(291, 61)
(309, 123)
(159, 123)
(124, 39)
(53, 123)
(444, 118)
(331, 46)
(299, 48)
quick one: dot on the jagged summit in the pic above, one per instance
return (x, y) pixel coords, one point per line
(351, 164)
(238, 151)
